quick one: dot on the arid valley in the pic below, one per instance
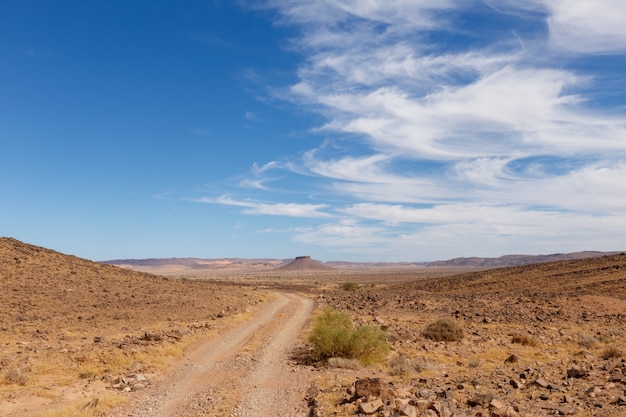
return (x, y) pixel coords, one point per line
(80, 338)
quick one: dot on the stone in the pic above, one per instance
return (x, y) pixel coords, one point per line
(407, 410)
(556, 387)
(152, 337)
(561, 410)
(371, 407)
(620, 400)
(424, 393)
(442, 409)
(480, 399)
(371, 387)
(512, 359)
(497, 404)
(576, 372)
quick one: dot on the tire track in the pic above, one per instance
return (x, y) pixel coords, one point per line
(243, 373)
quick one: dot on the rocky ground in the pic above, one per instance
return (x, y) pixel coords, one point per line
(71, 329)
(538, 340)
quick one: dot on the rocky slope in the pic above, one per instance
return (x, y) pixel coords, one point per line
(539, 340)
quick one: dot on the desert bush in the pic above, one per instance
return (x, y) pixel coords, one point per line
(444, 330)
(522, 339)
(611, 352)
(17, 376)
(588, 342)
(349, 286)
(401, 365)
(334, 335)
(475, 363)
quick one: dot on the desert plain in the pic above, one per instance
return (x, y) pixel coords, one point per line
(79, 338)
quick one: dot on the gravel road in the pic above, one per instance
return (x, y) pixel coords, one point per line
(245, 372)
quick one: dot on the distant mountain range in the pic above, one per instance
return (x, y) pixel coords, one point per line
(198, 265)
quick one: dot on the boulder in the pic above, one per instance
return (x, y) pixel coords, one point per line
(372, 387)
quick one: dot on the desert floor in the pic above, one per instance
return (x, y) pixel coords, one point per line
(80, 338)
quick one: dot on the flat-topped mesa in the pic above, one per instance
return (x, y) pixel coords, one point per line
(302, 263)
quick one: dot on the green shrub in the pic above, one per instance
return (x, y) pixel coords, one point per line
(444, 330)
(334, 336)
(349, 286)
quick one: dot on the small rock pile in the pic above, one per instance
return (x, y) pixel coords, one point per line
(127, 383)
(377, 397)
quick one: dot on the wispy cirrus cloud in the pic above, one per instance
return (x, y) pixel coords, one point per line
(272, 209)
(436, 128)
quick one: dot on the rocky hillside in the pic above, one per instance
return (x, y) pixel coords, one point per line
(536, 340)
(64, 318)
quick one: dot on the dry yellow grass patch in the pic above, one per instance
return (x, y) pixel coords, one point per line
(82, 408)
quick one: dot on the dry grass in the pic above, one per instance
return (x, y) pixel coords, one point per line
(81, 408)
(401, 365)
(344, 363)
(611, 352)
(524, 340)
(17, 376)
(588, 341)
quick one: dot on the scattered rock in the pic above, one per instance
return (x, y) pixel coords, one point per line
(372, 387)
(576, 373)
(371, 407)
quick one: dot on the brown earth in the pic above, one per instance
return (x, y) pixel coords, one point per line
(539, 340)
(80, 321)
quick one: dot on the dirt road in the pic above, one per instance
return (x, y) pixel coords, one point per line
(243, 373)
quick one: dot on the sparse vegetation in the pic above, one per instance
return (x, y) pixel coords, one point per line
(588, 342)
(444, 330)
(611, 353)
(80, 408)
(17, 375)
(335, 336)
(401, 365)
(349, 286)
(344, 363)
(524, 340)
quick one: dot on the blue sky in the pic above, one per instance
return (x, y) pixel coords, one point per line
(397, 130)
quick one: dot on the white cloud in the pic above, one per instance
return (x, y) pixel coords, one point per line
(460, 230)
(274, 209)
(437, 145)
(252, 116)
(588, 26)
(345, 236)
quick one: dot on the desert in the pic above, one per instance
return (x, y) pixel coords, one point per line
(81, 338)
